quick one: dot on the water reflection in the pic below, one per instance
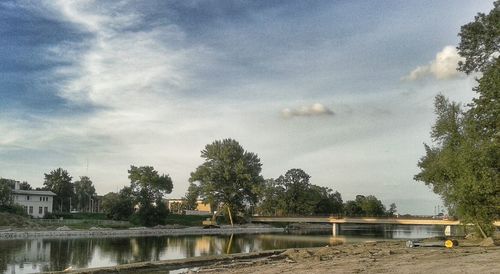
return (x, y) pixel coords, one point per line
(27, 256)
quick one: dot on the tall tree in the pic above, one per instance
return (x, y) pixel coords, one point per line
(463, 164)
(119, 206)
(271, 199)
(192, 195)
(59, 182)
(297, 194)
(229, 175)
(392, 210)
(5, 192)
(84, 191)
(149, 188)
(479, 41)
(327, 201)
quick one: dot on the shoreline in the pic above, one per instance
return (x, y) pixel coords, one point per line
(13, 235)
(370, 257)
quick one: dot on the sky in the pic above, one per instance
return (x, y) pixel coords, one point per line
(341, 89)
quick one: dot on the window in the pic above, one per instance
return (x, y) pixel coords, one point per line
(41, 199)
(25, 208)
(40, 210)
(28, 198)
(31, 210)
(45, 210)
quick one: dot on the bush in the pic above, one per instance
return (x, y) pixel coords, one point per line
(14, 209)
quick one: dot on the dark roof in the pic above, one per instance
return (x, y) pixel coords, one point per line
(34, 192)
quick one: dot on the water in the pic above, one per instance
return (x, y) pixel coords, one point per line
(36, 255)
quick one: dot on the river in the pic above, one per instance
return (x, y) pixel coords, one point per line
(37, 255)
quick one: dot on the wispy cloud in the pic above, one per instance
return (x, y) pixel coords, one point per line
(316, 109)
(443, 67)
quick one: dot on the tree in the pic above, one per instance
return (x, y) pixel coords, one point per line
(327, 201)
(59, 182)
(229, 175)
(84, 190)
(272, 199)
(297, 198)
(392, 209)
(372, 206)
(364, 206)
(462, 165)
(5, 193)
(192, 195)
(149, 188)
(25, 186)
(479, 41)
(119, 206)
(352, 208)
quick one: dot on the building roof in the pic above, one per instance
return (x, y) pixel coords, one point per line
(33, 192)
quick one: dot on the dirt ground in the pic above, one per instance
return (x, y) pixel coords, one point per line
(376, 257)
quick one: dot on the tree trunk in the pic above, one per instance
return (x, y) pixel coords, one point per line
(230, 215)
(481, 230)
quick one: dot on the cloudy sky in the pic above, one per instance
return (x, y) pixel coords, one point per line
(341, 89)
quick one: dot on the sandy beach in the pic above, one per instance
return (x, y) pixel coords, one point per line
(379, 257)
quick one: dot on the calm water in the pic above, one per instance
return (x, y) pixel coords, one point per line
(36, 255)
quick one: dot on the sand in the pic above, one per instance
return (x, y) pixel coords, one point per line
(375, 257)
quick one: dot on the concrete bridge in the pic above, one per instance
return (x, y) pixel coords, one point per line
(360, 220)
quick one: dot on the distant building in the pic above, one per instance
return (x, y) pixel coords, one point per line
(178, 206)
(35, 202)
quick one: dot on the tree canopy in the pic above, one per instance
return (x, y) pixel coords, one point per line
(148, 188)
(462, 165)
(479, 41)
(229, 175)
(84, 191)
(59, 182)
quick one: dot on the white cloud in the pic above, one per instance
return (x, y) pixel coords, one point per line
(316, 109)
(444, 66)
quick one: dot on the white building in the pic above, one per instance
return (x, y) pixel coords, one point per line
(35, 202)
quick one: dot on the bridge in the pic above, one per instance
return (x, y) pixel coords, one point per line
(361, 220)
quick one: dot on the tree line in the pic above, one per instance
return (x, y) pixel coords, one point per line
(229, 176)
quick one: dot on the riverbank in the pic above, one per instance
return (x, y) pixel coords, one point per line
(381, 257)
(135, 232)
(370, 257)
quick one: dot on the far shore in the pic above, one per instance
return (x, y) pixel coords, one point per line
(141, 231)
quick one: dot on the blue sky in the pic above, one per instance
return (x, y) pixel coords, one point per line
(341, 89)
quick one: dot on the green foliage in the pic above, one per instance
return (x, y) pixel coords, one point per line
(463, 165)
(328, 202)
(192, 194)
(148, 188)
(271, 199)
(150, 215)
(297, 197)
(229, 175)
(365, 206)
(13, 209)
(5, 193)
(59, 182)
(392, 209)
(292, 194)
(351, 208)
(479, 41)
(84, 191)
(119, 206)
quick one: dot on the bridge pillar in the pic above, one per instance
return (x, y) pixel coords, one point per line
(335, 229)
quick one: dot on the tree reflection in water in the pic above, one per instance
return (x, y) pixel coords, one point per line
(59, 254)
